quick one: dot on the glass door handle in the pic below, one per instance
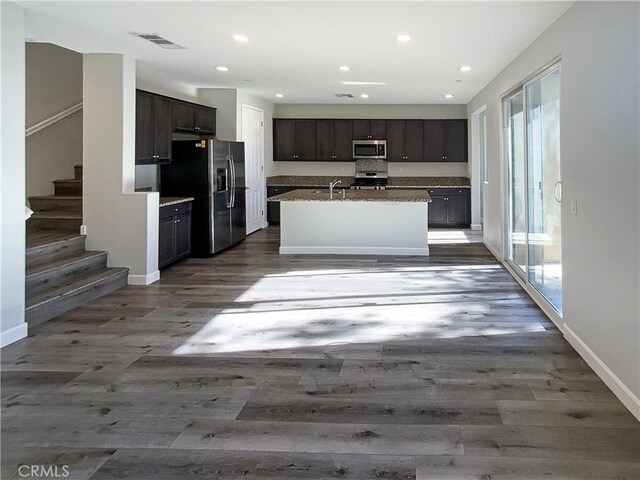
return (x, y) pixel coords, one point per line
(557, 191)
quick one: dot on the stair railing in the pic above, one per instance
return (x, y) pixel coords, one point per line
(53, 119)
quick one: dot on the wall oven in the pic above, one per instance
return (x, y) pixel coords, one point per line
(375, 149)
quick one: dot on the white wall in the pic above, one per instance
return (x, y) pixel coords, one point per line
(164, 85)
(600, 152)
(118, 220)
(12, 173)
(54, 83)
(368, 111)
(225, 102)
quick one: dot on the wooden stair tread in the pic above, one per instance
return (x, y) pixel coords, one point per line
(40, 238)
(57, 215)
(62, 261)
(57, 197)
(73, 288)
(68, 180)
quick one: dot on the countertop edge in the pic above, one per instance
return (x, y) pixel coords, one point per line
(174, 201)
(367, 196)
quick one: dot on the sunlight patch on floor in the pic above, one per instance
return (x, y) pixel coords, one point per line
(334, 307)
(454, 236)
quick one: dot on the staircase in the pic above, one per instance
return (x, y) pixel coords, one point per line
(61, 274)
(62, 211)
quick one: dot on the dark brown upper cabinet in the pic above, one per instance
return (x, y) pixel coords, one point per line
(294, 139)
(192, 118)
(157, 117)
(445, 140)
(455, 141)
(284, 135)
(369, 129)
(205, 120)
(405, 141)
(184, 116)
(153, 129)
(334, 140)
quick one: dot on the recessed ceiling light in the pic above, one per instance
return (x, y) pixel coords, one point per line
(344, 68)
(364, 95)
(449, 95)
(238, 37)
(403, 38)
(222, 68)
(465, 68)
(363, 83)
(279, 95)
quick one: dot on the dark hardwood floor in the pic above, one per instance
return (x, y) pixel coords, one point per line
(254, 365)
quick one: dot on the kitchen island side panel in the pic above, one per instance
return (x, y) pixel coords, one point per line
(355, 228)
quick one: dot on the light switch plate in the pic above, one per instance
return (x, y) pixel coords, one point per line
(574, 206)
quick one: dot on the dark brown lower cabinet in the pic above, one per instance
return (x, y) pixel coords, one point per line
(273, 208)
(450, 207)
(174, 236)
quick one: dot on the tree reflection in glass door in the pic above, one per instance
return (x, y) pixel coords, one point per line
(545, 187)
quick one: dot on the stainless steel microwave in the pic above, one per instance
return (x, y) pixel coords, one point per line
(376, 149)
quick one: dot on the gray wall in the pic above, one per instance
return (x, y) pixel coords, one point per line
(53, 83)
(12, 231)
(367, 111)
(600, 150)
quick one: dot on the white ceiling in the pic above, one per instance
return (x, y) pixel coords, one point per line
(296, 47)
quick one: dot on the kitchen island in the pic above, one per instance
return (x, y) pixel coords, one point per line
(355, 222)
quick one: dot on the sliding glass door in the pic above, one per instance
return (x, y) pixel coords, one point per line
(517, 211)
(534, 184)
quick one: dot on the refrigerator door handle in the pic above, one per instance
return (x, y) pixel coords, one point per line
(228, 172)
(233, 181)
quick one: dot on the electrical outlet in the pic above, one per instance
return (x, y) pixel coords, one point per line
(83, 229)
(574, 206)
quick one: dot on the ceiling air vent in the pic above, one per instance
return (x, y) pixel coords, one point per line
(344, 95)
(158, 40)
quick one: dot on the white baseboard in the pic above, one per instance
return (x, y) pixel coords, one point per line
(294, 250)
(620, 390)
(476, 226)
(144, 279)
(493, 251)
(13, 334)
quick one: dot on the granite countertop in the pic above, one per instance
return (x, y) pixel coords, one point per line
(404, 195)
(394, 182)
(166, 201)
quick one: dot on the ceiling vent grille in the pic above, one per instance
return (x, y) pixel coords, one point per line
(344, 95)
(158, 40)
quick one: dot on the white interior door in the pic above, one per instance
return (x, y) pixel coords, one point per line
(253, 138)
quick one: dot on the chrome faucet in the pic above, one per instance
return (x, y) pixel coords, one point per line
(331, 185)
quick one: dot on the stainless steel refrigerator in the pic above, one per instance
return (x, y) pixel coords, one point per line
(212, 172)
